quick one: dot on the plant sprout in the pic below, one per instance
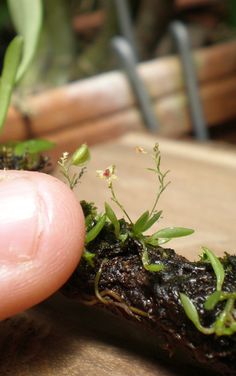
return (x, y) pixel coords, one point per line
(148, 218)
(225, 323)
(216, 265)
(80, 157)
(136, 230)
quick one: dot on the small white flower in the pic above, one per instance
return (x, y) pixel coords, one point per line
(140, 149)
(108, 174)
(63, 158)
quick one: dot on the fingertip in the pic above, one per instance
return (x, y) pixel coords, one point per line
(47, 242)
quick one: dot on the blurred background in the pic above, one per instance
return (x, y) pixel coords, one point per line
(178, 59)
(76, 34)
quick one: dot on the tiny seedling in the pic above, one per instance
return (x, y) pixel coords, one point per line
(147, 219)
(79, 158)
(225, 323)
(125, 228)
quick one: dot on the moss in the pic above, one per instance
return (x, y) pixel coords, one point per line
(30, 162)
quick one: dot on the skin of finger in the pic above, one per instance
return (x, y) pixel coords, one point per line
(24, 284)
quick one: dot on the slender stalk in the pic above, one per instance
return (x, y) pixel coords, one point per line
(160, 174)
(114, 198)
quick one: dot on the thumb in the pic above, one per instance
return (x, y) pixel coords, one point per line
(41, 238)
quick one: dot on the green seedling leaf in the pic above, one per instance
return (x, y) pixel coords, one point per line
(27, 19)
(190, 310)
(113, 218)
(140, 223)
(172, 232)
(166, 234)
(93, 233)
(212, 300)
(154, 267)
(148, 266)
(221, 323)
(152, 221)
(217, 267)
(33, 146)
(81, 155)
(8, 77)
(192, 314)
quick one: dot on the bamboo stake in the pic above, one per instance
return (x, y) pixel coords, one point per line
(107, 94)
(219, 104)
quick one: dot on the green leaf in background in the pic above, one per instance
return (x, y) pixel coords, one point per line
(27, 19)
(81, 155)
(8, 77)
(33, 146)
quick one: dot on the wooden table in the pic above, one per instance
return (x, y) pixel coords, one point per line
(61, 338)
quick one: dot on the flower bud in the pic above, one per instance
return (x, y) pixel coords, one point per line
(81, 155)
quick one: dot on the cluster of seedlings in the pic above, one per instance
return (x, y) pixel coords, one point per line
(124, 230)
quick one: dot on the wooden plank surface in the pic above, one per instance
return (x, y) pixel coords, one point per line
(60, 338)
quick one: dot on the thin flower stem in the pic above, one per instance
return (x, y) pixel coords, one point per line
(161, 190)
(114, 198)
(161, 176)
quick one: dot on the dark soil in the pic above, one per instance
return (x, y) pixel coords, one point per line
(124, 284)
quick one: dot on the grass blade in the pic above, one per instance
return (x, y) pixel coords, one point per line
(27, 19)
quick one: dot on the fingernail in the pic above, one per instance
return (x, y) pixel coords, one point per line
(20, 224)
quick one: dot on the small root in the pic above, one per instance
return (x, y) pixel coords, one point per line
(117, 299)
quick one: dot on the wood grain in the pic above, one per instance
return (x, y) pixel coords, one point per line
(60, 338)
